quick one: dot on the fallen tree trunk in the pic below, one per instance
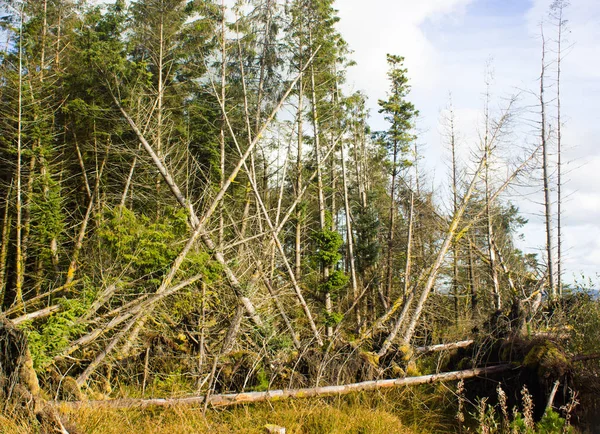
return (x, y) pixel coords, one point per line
(444, 347)
(42, 313)
(251, 397)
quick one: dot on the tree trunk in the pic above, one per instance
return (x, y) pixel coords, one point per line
(546, 176)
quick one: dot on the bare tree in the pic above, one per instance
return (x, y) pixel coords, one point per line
(546, 172)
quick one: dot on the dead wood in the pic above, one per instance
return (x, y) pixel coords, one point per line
(227, 399)
(444, 347)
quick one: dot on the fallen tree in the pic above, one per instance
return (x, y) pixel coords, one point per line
(444, 347)
(221, 400)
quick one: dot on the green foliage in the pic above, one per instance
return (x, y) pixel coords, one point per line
(490, 420)
(334, 283)
(147, 246)
(328, 244)
(368, 247)
(261, 380)
(47, 212)
(334, 318)
(398, 111)
(579, 313)
(51, 337)
(552, 423)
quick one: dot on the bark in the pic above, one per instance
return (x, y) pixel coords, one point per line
(222, 127)
(6, 224)
(133, 310)
(101, 301)
(349, 236)
(455, 288)
(391, 229)
(298, 234)
(550, 403)
(32, 301)
(472, 281)
(487, 147)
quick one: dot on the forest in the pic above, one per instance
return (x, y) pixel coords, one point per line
(201, 232)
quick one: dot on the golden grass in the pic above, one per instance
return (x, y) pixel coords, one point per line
(10, 426)
(393, 412)
(296, 419)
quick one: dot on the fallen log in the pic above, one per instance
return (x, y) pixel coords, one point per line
(42, 313)
(444, 347)
(272, 395)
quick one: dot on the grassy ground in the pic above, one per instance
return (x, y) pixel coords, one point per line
(400, 412)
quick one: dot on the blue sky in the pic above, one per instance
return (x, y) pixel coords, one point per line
(447, 45)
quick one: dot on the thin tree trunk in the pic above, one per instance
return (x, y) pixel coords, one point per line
(455, 288)
(390, 238)
(201, 326)
(84, 224)
(546, 175)
(159, 99)
(299, 213)
(222, 126)
(472, 281)
(6, 224)
(350, 236)
(559, 258)
(320, 195)
(19, 269)
(487, 144)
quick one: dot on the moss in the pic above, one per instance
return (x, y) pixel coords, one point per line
(547, 360)
(412, 370)
(406, 351)
(397, 371)
(370, 357)
(70, 390)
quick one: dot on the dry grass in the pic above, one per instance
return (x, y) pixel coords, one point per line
(399, 412)
(314, 419)
(10, 426)
(394, 412)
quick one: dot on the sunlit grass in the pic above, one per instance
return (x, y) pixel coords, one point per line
(402, 412)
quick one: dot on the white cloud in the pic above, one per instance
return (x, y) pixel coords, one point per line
(442, 56)
(374, 29)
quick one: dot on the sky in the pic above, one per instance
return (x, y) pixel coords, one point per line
(450, 47)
